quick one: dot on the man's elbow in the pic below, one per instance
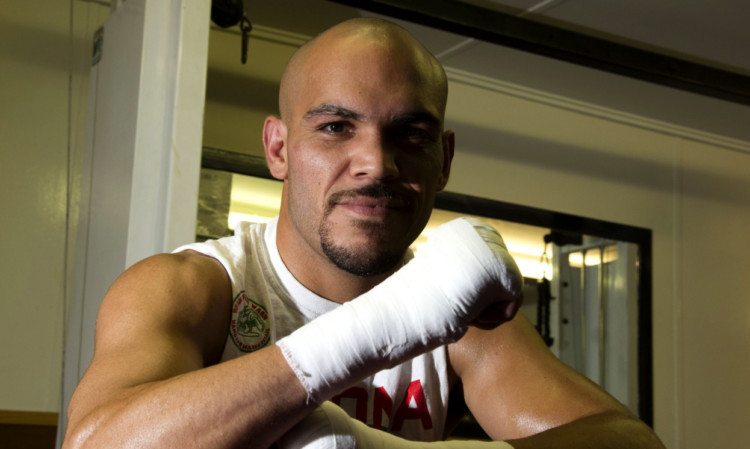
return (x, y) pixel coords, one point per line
(80, 429)
(631, 429)
(75, 438)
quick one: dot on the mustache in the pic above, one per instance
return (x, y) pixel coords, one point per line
(393, 193)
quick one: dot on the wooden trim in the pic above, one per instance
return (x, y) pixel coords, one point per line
(28, 418)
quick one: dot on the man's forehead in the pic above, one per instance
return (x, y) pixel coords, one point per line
(374, 57)
(367, 86)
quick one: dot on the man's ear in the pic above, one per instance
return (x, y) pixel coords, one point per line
(274, 142)
(449, 144)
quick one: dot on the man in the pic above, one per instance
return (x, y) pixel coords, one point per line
(361, 148)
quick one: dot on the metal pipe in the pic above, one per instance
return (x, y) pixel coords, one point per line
(602, 320)
(583, 311)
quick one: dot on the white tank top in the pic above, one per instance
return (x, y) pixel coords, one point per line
(409, 400)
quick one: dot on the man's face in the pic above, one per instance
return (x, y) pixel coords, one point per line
(366, 154)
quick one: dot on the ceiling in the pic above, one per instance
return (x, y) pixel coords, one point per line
(708, 32)
(711, 33)
(714, 33)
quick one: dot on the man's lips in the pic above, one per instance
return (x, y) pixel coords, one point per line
(375, 200)
(372, 207)
(384, 203)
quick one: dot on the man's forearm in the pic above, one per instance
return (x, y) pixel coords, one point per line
(251, 400)
(611, 430)
(330, 426)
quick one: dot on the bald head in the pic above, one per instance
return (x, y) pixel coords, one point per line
(362, 150)
(362, 39)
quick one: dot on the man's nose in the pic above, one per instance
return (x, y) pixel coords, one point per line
(373, 157)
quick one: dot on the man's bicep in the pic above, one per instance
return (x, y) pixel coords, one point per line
(515, 387)
(163, 317)
(168, 309)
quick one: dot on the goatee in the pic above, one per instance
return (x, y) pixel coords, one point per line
(373, 259)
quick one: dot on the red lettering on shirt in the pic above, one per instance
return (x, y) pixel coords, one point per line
(419, 411)
(413, 406)
(359, 394)
(382, 403)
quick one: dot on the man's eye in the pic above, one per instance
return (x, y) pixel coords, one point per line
(414, 133)
(334, 128)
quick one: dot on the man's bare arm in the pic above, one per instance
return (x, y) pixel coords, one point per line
(154, 381)
(519, 391)
(166, 319)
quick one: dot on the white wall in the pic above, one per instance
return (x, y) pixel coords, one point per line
(33, 203)
(711, 271)
(44, 48)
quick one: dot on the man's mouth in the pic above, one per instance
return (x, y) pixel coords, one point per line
(374, 203)
(371, 207)
(370, 201)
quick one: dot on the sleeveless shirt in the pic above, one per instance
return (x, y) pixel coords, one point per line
(409, 400)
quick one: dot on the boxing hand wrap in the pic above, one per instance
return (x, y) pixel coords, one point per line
(427, 303)
(329, 427)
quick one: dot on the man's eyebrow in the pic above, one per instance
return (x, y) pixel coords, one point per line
(332, 109)
(417, 117)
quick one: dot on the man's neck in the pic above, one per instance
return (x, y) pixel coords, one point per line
(318, 274)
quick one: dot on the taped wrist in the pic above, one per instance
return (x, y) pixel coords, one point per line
(427, 303)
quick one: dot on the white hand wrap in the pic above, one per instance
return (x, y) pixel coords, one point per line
(429, 302)
(329, 427)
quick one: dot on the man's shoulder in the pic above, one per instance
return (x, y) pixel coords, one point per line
(187, 265)
(170, 285)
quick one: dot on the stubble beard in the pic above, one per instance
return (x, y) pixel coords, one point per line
(360, 261)
(370, 259)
